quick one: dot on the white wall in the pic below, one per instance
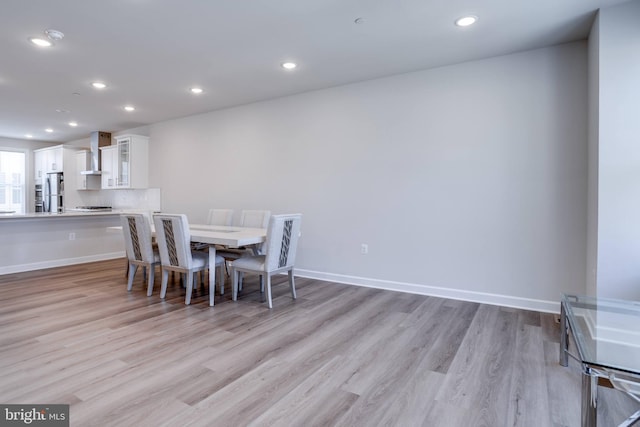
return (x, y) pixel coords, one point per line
(619, 152)
(467, 181)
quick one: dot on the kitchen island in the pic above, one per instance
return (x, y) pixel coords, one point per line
(40, 240)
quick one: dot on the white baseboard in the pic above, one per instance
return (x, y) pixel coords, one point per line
(458, 294)
(11, 269)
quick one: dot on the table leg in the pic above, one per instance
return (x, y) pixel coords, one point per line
(589, 398)
(564, 337)
(212, 274)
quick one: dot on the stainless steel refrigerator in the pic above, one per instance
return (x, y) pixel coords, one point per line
(54, 192)
(38, 199)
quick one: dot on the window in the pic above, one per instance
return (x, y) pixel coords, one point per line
(12, 181)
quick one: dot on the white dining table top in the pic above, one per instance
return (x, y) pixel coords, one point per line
(230, 236)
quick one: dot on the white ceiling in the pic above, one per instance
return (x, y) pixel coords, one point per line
(150, 52)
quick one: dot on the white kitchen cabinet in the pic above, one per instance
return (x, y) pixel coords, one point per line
(39, 161)
(52, 159)
(55, 160)
(83, 163)
(109, 166)
(133, 161)
(126, 163)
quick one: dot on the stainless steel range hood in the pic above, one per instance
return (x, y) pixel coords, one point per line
(98, 139)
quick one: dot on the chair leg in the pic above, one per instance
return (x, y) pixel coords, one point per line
(268, 289)
(132, 272)
(221, 277)
(292, 284)
(212, 286)
(152, 272)
(163, 287)
(261, 285)
(234, 284)
(189, 285)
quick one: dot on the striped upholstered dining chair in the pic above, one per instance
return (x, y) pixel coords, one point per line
(172, 234)
(280, 255)
(139, 248)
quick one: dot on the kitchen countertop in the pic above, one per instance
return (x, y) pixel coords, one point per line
(67, 214)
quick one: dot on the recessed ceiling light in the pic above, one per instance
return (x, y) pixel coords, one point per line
(465, 21)
(61, 110)
(40, 42)
(73, 124)
(98, 85)
(129, 108)
(289, 65)
(196, 90)
(54, 35)
(28, 135)
(48, 130)
(358, 21)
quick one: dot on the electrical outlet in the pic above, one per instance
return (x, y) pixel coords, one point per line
(72, 236)
(364, 249)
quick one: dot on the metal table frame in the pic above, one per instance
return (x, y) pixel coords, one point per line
(596, 372)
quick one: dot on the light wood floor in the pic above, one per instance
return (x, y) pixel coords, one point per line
(338, 355)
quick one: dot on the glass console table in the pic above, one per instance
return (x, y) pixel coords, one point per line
(606, 333)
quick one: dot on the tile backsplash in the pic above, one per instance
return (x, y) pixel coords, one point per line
(148, 199)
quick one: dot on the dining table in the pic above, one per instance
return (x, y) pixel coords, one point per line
(228, 236)
(220, 235)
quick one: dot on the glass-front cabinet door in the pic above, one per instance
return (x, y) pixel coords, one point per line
(124, 162)
(131, 163)
(109, 167)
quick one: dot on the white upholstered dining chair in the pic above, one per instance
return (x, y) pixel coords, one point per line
(172, 234)
(254, 218)
(220, 217)
(139, 248)
(280, 255)
(251, 219)
(216, 217)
